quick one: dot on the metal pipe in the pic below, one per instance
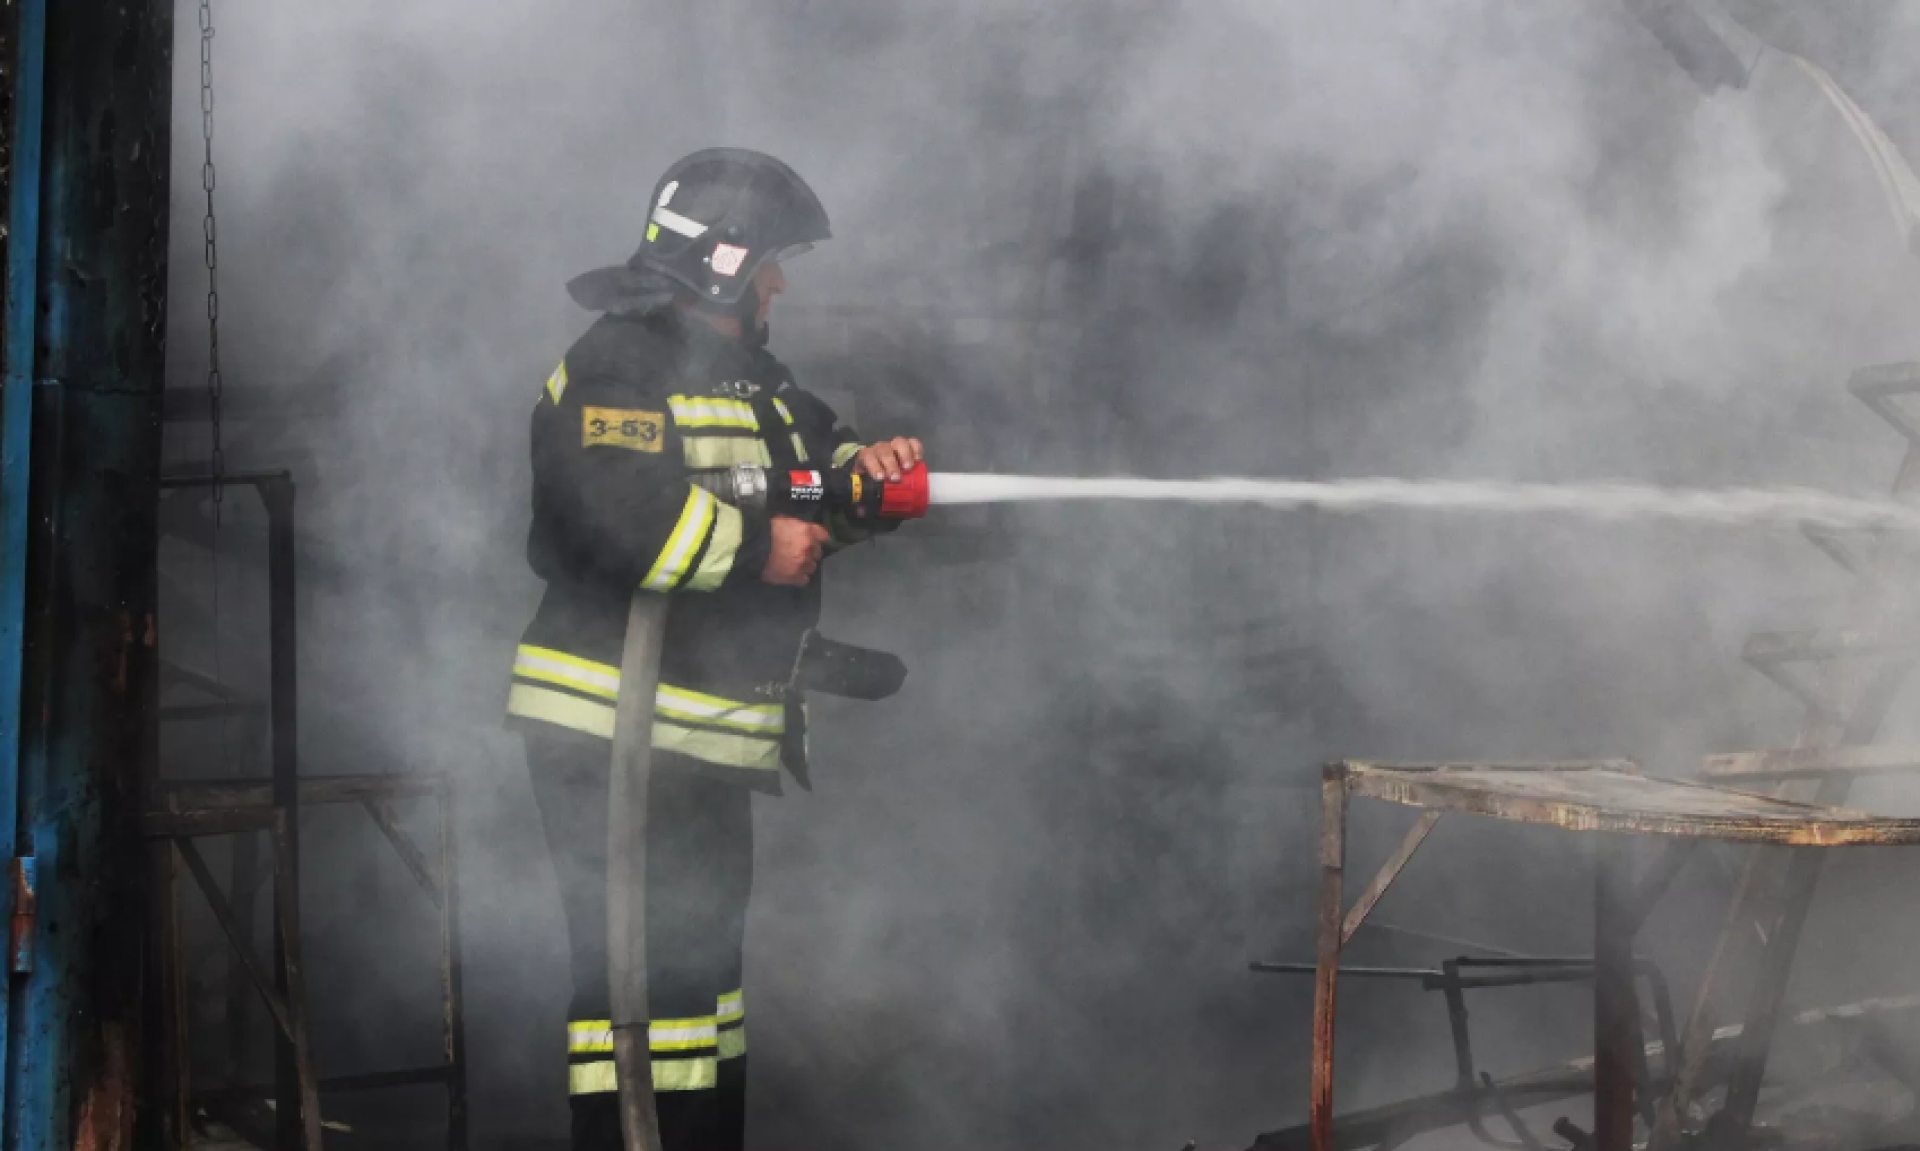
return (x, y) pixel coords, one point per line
(1333, 862)
(90, 350)
(1267, 967)
(454, 1038)
(627, 800)
(16, 409)
(1616, 1016)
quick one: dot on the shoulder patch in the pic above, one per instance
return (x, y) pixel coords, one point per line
(557, 383)
(622, 428)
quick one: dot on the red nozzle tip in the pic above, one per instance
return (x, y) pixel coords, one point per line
(906, 500)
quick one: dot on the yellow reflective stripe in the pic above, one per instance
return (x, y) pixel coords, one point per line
(708, 412)
(698, 707)
(724, 544)
(700, 1074)
(682, 1034)
(597, 1078)
(695, 518)
(780, 406)
(557, 382)
(588, 1036)
(721, 747)
(725, 451)
(799, 448)
(550, 666)
(845, 453)
(569, 711)
(731, 1012)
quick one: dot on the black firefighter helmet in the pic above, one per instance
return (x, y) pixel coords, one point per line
(715, 218)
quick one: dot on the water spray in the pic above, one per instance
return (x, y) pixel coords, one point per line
(807, 492)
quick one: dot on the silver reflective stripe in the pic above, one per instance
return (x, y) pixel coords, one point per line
(706, 412)
(589, 1036)
(724, 451)
(698, 707)
(673, 221)
(550, 666)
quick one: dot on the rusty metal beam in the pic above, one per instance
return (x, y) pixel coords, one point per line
(403, 845)
(1333, 855)
(263, 982)
(1389, 871)
(1616, 1012)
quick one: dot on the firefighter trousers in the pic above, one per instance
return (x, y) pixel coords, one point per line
(699, 876)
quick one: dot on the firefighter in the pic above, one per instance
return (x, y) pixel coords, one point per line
(674, 379)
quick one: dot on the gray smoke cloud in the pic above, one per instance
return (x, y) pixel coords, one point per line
(1458, 239)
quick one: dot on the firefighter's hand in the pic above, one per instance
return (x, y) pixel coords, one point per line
(796, 551)
(887, 459)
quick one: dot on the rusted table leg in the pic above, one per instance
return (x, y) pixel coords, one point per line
(293, 981)
(455, 1037)
(1333, 853)
(1616, 1015)
(1770, 990)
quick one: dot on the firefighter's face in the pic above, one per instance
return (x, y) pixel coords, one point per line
(768, 282)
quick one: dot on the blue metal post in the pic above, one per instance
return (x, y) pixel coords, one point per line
(84, 367)
(16, 434)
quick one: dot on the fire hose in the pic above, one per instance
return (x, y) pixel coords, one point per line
(805, 493)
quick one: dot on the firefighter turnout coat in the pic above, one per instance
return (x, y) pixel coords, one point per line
(638, 405)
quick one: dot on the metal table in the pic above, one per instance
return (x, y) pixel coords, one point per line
(1609, 796)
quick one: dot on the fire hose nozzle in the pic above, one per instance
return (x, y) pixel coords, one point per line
(809, 493)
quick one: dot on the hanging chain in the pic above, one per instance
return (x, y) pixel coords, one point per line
(216, 461)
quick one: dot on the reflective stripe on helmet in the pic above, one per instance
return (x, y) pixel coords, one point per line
(673, 221)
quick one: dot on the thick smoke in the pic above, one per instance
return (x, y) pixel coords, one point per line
(1464, 239)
